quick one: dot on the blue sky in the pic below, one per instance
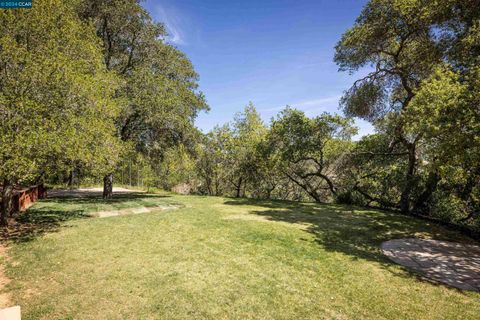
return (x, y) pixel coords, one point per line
(270, 52)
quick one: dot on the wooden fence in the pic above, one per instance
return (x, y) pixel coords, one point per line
(24, 197)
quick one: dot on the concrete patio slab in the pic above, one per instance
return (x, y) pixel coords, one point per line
(454, 264)
(12, 313)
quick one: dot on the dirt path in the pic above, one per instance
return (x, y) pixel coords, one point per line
(97, 192)
(87, 192)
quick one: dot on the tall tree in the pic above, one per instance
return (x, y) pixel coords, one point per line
(160, 97)
(212, 160)
(396, 40)
(56, 102)
(373, 170)
(307, 150)
(248, 131)
(421, 92)
(446, 111)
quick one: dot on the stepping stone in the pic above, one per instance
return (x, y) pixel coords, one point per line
(140, 210)
(12, 313)
(454, 264)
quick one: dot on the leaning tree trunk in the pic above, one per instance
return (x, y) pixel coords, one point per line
(108, 186)
(306, 187)
(6, 204)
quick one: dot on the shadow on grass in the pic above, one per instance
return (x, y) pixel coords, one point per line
(97, 199)
(36, 222)
(354, 231)
(49, 215)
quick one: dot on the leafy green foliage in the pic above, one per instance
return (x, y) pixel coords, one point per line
(92, 87)
(159, 94)
(56, 102)
(230, 154)
(446, 111)
(212, 158)
(422, 94)
(177, 167)
(308, 151)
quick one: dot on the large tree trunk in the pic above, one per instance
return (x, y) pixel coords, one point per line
(331, 186)
(405, 196)
(269, 192)
(381, 202)
(6, 205)
(239, 187)
(466, 195)
(208, 182)
(108, 186)
(313, 193)
(306, 187)
(421, 205)
(73, 178)
(217, 186)
(209, 188)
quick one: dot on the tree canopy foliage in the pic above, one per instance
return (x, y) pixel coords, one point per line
(92, 88)
(422, 95)
(159, 91)
(56, 98)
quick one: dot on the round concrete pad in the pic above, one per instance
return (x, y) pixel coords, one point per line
(454, 264)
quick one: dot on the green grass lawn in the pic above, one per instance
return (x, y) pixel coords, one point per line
(219, 258)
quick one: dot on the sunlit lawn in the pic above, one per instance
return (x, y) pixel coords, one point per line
(220, 258)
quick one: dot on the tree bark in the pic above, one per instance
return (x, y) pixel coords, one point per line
(381, 202)
(331, 186)
(239, 187)
(6, 204)
(73, 177)
(209, 186)
(405, 196)
(108, 186)
(312, 193)
(421, 205)
(269, 192)
(466, 195)
(217, 186)
(39, 179)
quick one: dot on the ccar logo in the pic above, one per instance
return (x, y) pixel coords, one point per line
(15, 4)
